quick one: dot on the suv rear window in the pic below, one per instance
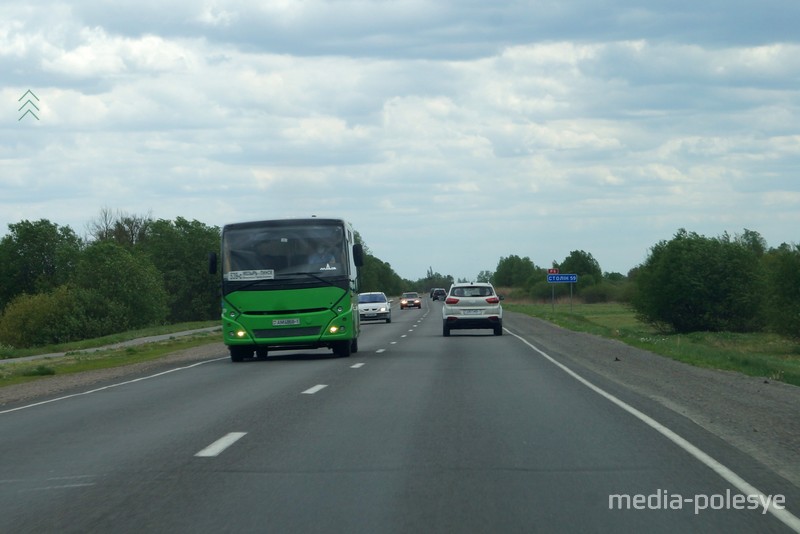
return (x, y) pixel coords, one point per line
(472, 291)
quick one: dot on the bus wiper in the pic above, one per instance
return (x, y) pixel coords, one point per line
(251, 283)
(312, 275)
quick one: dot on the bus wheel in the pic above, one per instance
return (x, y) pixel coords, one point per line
(343, 349)
(240, 353)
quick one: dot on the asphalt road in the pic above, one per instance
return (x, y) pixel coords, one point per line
(414, 433)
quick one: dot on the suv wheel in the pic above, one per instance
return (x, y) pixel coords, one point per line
(445, 330)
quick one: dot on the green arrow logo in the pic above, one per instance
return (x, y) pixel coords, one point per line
(28, 105)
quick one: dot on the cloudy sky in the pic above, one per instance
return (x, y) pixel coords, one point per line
(450, 132)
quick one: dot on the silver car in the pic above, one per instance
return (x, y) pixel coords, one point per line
(374, 306)
(472, 305)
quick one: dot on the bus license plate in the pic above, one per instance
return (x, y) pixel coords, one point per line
(285, 322)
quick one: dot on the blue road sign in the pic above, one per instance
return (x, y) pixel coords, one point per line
(562, 278)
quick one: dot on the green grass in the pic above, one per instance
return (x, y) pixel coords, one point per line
(7, 352)
(75, 361)
(755, 354)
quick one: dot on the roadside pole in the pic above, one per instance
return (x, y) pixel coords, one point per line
(553, 277)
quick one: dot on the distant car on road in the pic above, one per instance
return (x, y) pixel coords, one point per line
(439, 293)
(374, 306)
(472, 305)
(410, 299)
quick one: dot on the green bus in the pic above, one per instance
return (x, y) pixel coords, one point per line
(289, 284)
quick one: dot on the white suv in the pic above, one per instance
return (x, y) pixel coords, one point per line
(472, 305)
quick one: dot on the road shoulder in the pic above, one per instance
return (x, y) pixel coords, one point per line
(756, 415)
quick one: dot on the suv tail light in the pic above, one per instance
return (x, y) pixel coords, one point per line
(450, 300)
(493, 300)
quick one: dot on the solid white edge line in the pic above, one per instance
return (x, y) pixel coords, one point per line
(783, 515)
(65, 397)
(318, 387)
(216, 448)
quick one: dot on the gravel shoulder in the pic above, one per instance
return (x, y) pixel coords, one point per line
(760, 417)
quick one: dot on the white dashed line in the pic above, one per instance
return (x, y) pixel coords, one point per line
(356, 366)
(216, 448)
(318, 387)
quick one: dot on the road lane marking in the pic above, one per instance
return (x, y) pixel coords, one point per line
(216, 448)
(356, 366)
(318, 387)
(64, 486)
(380, 350)
(783, 515)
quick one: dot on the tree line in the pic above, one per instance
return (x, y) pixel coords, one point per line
(690, 283)
(133, 271)
(130, 272)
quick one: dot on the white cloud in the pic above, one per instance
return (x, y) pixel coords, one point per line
(594, 132)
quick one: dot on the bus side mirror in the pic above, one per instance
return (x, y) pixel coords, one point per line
(358, 255)
(212, 263)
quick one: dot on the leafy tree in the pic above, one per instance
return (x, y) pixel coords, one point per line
(753, 241)
(694, 283)
(513, 271)
(484, 276)
(120, 227)
(782, 289)
(377, 275)
(434, 279)
(585, 266)
(179, 250)
(36, 257)
(125, 279)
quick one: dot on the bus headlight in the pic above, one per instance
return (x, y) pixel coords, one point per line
(336, 330)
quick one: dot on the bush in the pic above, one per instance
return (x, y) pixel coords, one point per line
(693, 283)
(60, 316)
(597, 293)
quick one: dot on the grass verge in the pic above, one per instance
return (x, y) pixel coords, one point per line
(756, 354)
(83, 358)
(10, 353)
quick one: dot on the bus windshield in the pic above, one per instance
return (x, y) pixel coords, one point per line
(280, 252)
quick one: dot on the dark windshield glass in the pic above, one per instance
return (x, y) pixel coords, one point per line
(277, 252)
(372, 297)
